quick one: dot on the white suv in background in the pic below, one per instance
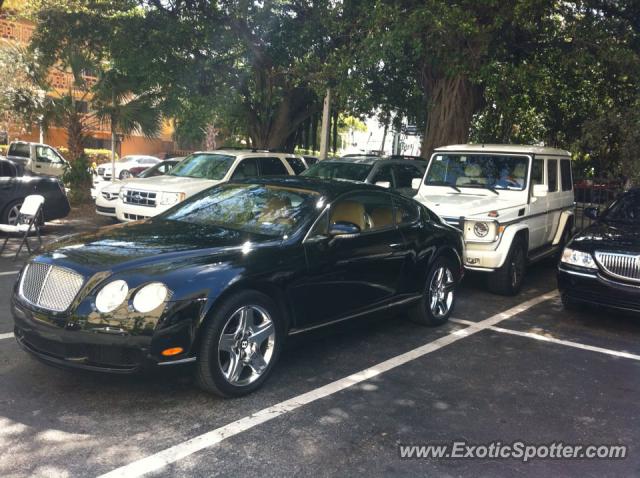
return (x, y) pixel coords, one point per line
(514, 205)
(144, 198)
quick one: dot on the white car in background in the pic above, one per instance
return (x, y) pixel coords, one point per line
(124, 165)
(148, 197)
(106, 193)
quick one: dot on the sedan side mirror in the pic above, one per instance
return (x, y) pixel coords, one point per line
(540, 190)
(592, 212)
(344, 230)
(415, 183)
(383, 184)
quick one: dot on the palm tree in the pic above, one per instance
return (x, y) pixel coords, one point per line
(117, 103)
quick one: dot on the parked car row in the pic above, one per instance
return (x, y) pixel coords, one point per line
(237, 253)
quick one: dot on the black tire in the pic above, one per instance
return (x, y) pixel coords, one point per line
(209, 374)
(422, 313)
(9, 211)
(124, 174)
(509, 278)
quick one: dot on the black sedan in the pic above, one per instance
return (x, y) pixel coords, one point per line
(222, 278)
(601, 265)
(15, 186)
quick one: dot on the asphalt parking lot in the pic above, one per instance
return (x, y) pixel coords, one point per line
(342, 398)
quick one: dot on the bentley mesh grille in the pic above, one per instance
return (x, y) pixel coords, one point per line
(50, 287)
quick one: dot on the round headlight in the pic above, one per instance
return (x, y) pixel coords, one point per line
(481, 229)
(150, 297)
(111, 296)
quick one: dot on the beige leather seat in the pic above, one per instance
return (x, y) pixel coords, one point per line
(349, 211)
(382, 217)
(472, 173)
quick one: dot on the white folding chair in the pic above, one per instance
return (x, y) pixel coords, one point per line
(28, 220)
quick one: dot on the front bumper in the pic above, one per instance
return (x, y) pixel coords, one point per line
(132, 212)
(596, 289)
(60, 342)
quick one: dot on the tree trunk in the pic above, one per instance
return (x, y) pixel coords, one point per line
(452, 103)
(384, 135)
(335, 131)
(75, 136)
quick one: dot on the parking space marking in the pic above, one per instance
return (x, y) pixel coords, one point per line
(8, 273)
(544, 338)
(182, 450)
(6, 336)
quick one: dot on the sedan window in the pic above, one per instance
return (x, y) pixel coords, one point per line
(338, 170)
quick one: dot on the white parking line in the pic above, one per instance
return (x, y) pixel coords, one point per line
(8, 273)
(170, 455)
(544, 338)
(6, 336)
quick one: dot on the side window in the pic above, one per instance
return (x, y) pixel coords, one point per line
(297, 165)
(46, 155)
(565, 173)
(383, 174)
(370, 212)
(537, 172)
(248, 168)
(148, 161)
(272, 167)
(407, 212)
(552, 175)
(19, 150)
(406, 173)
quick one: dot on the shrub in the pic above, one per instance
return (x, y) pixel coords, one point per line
(78, 179)
(97, 156)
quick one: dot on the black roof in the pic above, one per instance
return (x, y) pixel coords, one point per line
(326, 187)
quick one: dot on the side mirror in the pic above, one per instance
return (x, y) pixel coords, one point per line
(383, 184)
(540, 190)
(344, 230)
(415, 183)
(592, 212)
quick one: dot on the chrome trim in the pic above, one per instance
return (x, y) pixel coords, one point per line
(44, 288)
(626, 266)
(581, 274)
(180, 361)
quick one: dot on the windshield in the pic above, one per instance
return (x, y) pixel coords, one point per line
(625, 210)
(484, 171)
(336, 170)
(255, 208)
(203, 166)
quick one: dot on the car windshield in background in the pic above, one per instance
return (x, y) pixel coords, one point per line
(337, 170)
(254, 208)
(625, 210)
(478, 171)
(203, 166)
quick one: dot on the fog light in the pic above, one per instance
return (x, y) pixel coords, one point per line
(172, 351)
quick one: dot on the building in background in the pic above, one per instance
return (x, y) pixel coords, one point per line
(19, 31)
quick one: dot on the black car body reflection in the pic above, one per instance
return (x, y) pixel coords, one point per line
(229, 273)
(601, 265)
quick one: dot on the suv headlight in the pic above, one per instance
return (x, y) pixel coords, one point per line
(481, 231)
(578, 258)
(111, 296)
(168, 199)
(150, 297)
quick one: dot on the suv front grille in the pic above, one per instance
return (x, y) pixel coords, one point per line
(139, 198)
(50, 287)
(623, 266)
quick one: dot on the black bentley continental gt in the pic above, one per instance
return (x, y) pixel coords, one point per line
(601, 265)
(222, 278)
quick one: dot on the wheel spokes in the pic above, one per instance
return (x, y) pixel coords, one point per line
(227, 342)
(235, 368)
(261, 333)
(257, 363)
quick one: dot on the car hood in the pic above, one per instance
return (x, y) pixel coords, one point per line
(465, 204)
(172, 184)
(604, 236)
(150, 246)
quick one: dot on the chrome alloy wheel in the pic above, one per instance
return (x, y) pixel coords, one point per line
(13, 214)
(441, 292)
(246, 345)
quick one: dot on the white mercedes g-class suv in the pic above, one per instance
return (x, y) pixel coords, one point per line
(514, 204)
(147, 197)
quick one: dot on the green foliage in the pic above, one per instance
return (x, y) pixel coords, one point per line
(97, 156)
(78, 179)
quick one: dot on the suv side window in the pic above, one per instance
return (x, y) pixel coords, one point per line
(407, 212)
(46, 155)
(272, 167)
(565, 173)
(247, 168)
(537, 172)
(552, 175)
(383, 174)
(297, 165)
(370, 212)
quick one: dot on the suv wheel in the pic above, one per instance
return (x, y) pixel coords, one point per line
(240, 345)
(125, 174)
(438, 297)
(508, 279)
